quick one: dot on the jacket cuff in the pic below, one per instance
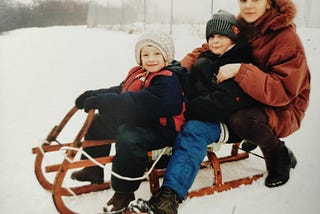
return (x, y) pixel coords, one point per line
(242, 72)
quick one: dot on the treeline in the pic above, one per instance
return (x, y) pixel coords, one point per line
(42, 13)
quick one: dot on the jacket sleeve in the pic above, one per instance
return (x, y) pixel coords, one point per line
(192, 57)
(220, 103)
(282, 79)
(113, 89)
(163, 98)
(201, 77)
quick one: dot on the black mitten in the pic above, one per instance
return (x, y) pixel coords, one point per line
(81, 99)
(90, 103)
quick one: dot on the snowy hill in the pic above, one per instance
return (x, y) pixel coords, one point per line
(42, 71)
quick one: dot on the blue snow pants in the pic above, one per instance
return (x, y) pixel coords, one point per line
(188, 153)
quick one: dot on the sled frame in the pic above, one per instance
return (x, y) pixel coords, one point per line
(57, 190)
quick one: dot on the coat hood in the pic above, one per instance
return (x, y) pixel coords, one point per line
(287, 10)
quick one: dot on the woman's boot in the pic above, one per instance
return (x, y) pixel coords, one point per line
(279, 162)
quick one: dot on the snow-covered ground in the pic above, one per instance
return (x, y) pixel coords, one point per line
(42, 71)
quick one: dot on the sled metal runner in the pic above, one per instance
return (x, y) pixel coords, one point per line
(57, 190)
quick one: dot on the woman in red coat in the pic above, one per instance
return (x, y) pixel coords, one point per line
(279, 78)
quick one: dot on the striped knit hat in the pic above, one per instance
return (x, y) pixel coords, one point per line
(160, 40)
(223, 23)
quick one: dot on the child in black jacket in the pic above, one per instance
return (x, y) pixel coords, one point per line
(208, 100)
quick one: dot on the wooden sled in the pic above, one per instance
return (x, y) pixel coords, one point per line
(51, 144)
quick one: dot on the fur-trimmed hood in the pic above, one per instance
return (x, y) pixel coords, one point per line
(280, 16)
(288, 11)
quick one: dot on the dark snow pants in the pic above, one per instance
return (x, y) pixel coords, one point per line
(132, 145)
(101, 128)
(252, 124)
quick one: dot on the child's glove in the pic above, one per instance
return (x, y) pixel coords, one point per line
(81, 99)
(90, 103)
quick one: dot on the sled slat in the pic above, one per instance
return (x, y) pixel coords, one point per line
(224, 187)
(49, 148)
(91, 188)
(84, 144)
(80, 164)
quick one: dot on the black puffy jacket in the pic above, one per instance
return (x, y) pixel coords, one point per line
(210, 101)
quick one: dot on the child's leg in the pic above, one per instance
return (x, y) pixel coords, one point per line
(101, 128)
(131, 159)
(188, 153)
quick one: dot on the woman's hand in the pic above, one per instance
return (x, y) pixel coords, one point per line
(227, 71)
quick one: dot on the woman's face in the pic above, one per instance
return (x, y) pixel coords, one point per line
(252, 10)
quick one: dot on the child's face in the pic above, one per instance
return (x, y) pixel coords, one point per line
(218, 44)
(152, 59)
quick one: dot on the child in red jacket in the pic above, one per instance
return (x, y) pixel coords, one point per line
(144, 113)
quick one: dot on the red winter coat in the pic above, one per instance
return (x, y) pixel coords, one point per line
(279, 76)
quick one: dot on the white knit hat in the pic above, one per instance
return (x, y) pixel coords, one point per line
(160, 40)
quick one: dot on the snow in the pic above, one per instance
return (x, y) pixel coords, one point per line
(42, 71)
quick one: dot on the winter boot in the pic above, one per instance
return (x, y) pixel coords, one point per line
(94, 174)
(279, 164)
(164, 202)
(119, 202)
(248, 146)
